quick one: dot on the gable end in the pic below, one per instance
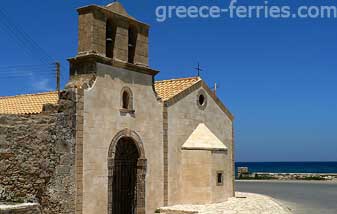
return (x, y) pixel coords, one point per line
(196, 86)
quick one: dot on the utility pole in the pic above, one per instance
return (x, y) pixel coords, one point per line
(58, 77)
(215, 88)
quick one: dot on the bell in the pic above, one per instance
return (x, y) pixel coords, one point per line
(109, 39)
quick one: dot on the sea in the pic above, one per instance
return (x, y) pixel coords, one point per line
(289, 167)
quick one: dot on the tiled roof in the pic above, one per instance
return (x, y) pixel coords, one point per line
(33, 103)
(167, 89)
(27, 104)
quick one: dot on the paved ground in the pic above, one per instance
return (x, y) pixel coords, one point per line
(244, 203)
(300, 197)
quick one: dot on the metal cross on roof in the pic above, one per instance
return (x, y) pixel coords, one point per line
(198, 69)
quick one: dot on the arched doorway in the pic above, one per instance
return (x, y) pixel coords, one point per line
(127, 167)
(124, 177)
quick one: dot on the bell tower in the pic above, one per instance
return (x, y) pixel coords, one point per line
(109, 35)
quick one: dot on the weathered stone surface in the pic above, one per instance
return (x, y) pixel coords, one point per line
(36, 154)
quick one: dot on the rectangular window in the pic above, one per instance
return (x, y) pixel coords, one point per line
(219, 178)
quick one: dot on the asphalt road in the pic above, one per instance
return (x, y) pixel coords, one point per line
(299, 197)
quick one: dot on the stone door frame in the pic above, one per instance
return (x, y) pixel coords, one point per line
(141, 168)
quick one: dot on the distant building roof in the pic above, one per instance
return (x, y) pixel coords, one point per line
(33, 103)
(27, 104)
(203, 139)
(167, 89)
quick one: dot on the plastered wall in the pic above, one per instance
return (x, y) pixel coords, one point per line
(103, 120)
(183, 117)
(199, 176)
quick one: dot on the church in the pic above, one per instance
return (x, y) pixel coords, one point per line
(129, 144)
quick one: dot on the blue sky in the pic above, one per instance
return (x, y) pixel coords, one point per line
(278, 77)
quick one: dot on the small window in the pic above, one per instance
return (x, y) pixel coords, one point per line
(219, 178)
(201, 100)
(126, 100)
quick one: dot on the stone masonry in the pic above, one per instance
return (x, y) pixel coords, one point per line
(37, 157)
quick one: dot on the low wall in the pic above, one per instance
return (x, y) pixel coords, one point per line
(37, 157)
(299, 176)
(289, 176)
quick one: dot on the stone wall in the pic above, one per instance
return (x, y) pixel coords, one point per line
(37, 157)
(93, 22)
(288, 176)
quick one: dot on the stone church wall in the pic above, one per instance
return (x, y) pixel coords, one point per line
(37, 157)
(103, 119)
(184, 115)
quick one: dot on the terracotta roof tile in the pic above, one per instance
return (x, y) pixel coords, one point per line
(167, 89)
(33, 103)
(27, 104)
